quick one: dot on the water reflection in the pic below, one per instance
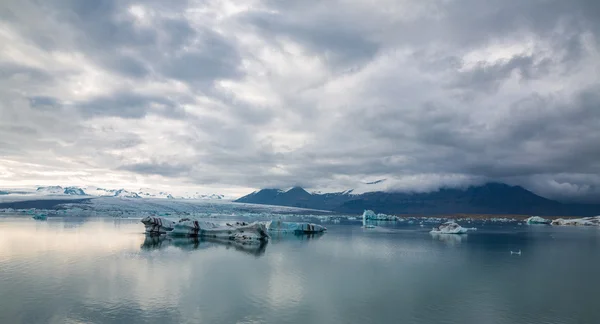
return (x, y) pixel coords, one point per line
(278, 237)
(157, 242)
(450, 239)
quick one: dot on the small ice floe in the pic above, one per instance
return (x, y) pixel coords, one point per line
(517, 252)
(537, 220)
(292, 227)
(238, 231)
(157, 225)
(449, 228)
(351, 218)
(586, 221)
(40, 216)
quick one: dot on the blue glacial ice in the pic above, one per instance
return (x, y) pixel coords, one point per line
(370, 215)
(537, 220)
(294, 227)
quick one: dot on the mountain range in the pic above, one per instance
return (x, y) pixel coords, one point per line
(91, 191)
(491, 198)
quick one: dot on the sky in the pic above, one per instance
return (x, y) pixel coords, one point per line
(232, 96)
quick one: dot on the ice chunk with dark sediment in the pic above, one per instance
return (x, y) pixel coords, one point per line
(158, 225)
(238, 231)
(450, 228)
(586, 221)
(537, 220)
(293, 227)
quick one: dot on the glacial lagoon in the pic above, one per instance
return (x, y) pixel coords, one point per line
(106, 270)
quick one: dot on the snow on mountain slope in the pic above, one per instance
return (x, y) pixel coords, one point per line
(50, 190)
(359, 189)
(102, 192)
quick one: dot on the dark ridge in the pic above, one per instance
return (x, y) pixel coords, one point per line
(42, 204)
(491, 198)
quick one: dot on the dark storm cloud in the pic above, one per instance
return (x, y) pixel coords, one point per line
(126, 105)
(425, 93)
(213, 58)
(327, 36)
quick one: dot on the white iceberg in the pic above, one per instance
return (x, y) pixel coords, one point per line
(157, 225)
(537, 220)
(291, 227)
(449, 228)
(586, 221)
(238, 231)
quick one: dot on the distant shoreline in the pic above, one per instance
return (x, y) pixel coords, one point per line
(42, 203)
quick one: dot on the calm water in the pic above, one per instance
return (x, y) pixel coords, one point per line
(107, 271)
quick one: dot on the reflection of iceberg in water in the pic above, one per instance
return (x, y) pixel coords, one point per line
(287, 236)
(450, 239)
(157, 242)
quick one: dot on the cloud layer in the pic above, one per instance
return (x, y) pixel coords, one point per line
(233, 95)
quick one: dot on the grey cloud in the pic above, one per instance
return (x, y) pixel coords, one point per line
(330, 36)
(396, 98)
(153, 168)
(43, 101)
(126, 105)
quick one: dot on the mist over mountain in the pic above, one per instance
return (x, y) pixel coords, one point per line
(490, 198)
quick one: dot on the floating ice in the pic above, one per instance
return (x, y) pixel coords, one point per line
(370, 215)
(291, 227)
(158, 225)
(449, 228)
(40, 216)
(238, 231)
(537, 220)
(586, 221)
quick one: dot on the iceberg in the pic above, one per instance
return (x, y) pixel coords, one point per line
(370, 215)
(238, 231)
(157, 225)
(41, 216)
(449, 228)
(291, 227)
(537, 220)
(586, 221)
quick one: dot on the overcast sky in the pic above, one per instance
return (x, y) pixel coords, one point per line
(230, 96)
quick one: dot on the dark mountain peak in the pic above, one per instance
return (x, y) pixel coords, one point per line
(489, 198)
(297, 191)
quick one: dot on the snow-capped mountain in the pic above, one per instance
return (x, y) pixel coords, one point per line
(103, 192)
(359, 189)
(50, 190)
